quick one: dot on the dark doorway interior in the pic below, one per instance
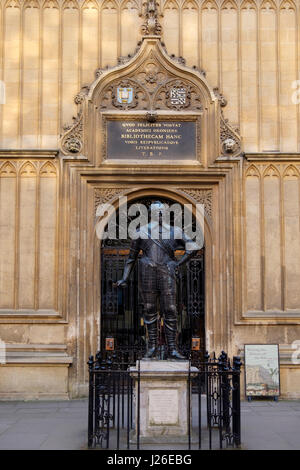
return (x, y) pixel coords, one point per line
(121, 313)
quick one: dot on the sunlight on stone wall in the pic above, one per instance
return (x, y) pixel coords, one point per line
(49, 49)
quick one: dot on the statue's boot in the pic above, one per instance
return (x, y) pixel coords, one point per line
(171, 332)
(152, 341)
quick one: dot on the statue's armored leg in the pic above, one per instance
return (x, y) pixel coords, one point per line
(152, 340)
(150, 320)
(170, 324)
(169, 310)
(148, 298)
(171, 337)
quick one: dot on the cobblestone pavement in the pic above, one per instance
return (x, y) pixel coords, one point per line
(63, 425)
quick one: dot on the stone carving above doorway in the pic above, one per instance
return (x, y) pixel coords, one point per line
(151, 26)
(103, 195)
(230, 139)
(153, 88)
(72, 142)
(201, 196)
(151, 83)
(198, 195)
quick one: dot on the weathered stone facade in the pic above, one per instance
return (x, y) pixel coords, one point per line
(246, 173)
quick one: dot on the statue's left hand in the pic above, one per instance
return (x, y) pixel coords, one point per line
(120, 283)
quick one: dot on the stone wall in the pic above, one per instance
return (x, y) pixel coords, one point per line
(249, 49)
(31, 321)
(50, 299)
(272, 237)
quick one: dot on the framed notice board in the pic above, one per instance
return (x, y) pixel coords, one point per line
(262, 370)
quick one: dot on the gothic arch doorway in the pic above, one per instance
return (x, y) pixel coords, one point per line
(121, 311)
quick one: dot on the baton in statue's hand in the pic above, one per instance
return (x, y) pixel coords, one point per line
(120, 283)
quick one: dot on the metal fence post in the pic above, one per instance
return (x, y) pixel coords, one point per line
(225, 390)
(189, 405)
(91, 402)
(138, 407)
(110, 383)
(236, 401)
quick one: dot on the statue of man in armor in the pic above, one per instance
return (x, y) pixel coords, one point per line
(158, 270)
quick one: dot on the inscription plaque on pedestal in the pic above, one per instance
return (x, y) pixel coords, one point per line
(163, 407)
(139, 139)
(164, 404)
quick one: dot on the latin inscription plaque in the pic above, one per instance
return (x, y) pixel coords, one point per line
(163, 407)
(162, 140)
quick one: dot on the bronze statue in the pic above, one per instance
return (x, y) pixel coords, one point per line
(157, 278)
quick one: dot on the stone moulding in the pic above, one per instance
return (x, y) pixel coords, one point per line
(201, 196)
(71, 142)
(103, 195)
(160, 84)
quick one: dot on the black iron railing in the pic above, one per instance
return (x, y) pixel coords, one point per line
(114, 402)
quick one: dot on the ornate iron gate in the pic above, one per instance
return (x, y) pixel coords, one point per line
(121, 317)
(121, 314)
(114, 402)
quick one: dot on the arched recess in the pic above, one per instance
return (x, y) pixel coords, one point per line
(209, 41)
(8, 201)
(27, 236)
(249, 74)
(90, 47)
(190, 32)
(109, 33)
(269, 76)
(50, 72)
(272, 239)
(70, 17)
(288, 73)
(177, 196)
(8, 170)
(229, 58)
(11, 66)
(48, 4)
(291, 236)
(47, 239)
(130, 26)
(170, 23)
(252, 234)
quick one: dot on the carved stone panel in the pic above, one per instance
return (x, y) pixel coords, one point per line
(201, 196)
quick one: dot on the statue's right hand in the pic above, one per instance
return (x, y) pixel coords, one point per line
(120, 283)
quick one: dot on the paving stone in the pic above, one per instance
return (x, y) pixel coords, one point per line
(21, 441)
(63, 425)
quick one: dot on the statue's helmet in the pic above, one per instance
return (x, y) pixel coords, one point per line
(157, 207)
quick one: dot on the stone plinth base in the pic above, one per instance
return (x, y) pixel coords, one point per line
(163, 398)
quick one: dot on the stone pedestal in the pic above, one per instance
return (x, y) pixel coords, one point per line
(163, 399)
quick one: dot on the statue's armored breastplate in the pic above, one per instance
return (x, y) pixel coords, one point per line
(156, 254)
